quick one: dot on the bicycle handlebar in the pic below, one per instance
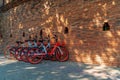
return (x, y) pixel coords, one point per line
(46, 39)
(41, 40)
(19, 42)
(30, 40)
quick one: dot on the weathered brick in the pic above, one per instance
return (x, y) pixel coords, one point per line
(85, 41)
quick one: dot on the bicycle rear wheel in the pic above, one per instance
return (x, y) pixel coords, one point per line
(7, 53)
(32, 56)
(24, 55)
(12, 52)
(62, 54)
(18, 54)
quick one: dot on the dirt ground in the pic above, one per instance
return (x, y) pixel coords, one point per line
(53, 70)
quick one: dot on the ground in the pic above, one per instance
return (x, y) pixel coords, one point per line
(53, 70)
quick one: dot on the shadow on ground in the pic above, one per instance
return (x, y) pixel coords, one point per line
(48, 70)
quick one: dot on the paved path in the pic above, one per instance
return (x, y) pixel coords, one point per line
(48, 70)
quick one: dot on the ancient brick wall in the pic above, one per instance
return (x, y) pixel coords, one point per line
(86, 40)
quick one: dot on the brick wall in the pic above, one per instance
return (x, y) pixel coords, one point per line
(86, 40)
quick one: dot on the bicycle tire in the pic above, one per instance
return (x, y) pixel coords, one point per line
(12, 51)
(61, 57)
(33, 58)
(7, 53)
(18, 54)
(24, 55)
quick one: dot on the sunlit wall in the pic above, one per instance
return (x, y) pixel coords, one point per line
(7, 1)
(86, 40)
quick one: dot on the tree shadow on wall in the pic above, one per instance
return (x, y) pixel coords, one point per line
(80, 39)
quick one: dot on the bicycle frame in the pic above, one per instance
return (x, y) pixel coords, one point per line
(57, 45)
(42, 52)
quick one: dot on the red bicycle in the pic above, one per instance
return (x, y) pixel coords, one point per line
(10, 51)
(58, 50)
(21, 53)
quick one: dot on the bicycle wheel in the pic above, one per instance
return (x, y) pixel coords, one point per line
(62, 54)
(24, 55)
(33, 56)
(18, 54)
(7, 53)
(12, 51)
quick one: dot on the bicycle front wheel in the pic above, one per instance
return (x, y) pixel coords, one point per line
(62, 54)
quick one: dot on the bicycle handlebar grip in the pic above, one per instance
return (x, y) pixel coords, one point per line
(27, 40)
(19, 42)
(41, 40)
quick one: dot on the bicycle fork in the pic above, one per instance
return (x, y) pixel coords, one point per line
(60, 50)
